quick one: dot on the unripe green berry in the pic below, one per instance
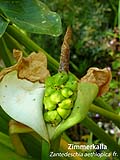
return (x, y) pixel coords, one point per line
(52, 117)
(66, 104)
(66, 92)
(60, 78)
(64, 113)
(71, 83)
(49, 90)
(49, 81)
(48, 104)
(56, 97)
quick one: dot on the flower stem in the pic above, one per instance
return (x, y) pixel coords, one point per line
(112, 116)
(101, 103)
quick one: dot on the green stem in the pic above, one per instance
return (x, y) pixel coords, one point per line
(74, 67)
(32, 46)
(55, 145)
(119, 15)
(100, 102)
(5, 53)
(114, 8)
(45, 150)
(100, 133)
(112, 116)
(12, 43)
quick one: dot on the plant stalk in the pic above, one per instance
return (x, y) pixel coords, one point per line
(119, 16)
(112, 116)
(101, 103)
(55, 146)
(5, 53)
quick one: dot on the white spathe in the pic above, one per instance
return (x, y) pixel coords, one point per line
(23, 101)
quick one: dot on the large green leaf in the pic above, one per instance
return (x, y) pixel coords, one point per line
(22, 100)
(3, 25)
(32, 16)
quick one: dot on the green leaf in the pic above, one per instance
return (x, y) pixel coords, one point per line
(22, 100)
(3, 25)
(32, 16)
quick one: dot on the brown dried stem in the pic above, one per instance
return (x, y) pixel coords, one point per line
(65, 51)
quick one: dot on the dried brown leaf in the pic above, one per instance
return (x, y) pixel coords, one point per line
(14, 67)
(101, 77)
(32, 68)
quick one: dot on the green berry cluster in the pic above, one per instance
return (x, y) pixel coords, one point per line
(60, 95)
